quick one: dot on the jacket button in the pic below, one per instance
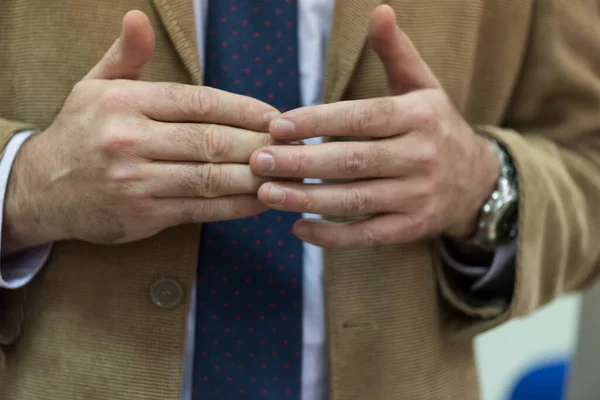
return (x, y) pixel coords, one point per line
(166, 293)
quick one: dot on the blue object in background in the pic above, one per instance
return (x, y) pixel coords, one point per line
(544, 382)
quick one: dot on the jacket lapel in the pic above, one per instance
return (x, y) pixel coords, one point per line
(348, 38)
(178, 19)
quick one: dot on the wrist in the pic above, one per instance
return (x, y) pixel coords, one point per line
(24, 222)
(497, 222)
(487, 171)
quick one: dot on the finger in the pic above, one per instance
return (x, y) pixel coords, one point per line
(193, 210)
(380, 230)
(406, 70)
(175, 102)
(337, 200)
(202, 142)
(342, 160)
(378, 117)
(130, 52)
(200, 180)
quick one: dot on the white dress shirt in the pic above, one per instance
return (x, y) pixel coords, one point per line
(314, 29)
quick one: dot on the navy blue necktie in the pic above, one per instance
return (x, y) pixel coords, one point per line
(249, 320)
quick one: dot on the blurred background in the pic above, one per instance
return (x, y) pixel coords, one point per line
(551, 355)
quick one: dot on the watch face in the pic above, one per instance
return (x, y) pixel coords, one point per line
(507, 228)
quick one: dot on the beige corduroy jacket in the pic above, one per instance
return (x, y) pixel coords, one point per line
(526, 72)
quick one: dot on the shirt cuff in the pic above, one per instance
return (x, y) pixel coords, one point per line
(16, 270)
(495, 278)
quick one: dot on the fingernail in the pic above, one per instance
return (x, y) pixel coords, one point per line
(276, 195)
(296, 143)
(284, 126)
(270, 115)
(265, 162)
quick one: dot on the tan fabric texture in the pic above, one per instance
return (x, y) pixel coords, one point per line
(526, 72)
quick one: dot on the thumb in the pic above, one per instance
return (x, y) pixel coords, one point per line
(406, 70)
(130, 52)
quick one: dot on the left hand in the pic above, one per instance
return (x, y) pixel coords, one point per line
(425, 173)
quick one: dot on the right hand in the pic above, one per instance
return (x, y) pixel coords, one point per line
(125, 159)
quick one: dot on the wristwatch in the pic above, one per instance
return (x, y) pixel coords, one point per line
(498, 219)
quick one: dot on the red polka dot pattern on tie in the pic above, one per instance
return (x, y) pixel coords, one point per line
(248, 48)
(249, 320)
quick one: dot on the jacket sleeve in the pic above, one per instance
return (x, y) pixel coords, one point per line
(8, 130)
(552, 131)
(11, 301)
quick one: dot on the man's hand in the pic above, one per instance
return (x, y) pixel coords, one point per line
(126, 159)
(425, 173)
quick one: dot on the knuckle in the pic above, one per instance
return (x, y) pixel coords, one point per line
(247, 112)
(358, 118)
(193, 102)
(114, 99)
(125, 181)
(216, 145)
(427, 190)
(383, 109)
(200, 211)
(353, 162)
(307, 202)
(210, 178)
(114, 141)
(119, 174)
(427, 117)
(367, 238)
(355, 202)
(174, 92)
(266, 140)
(432, 126)
(427, 157)
(364, 115)
(300, 164)
(315, 120)
(203, 101)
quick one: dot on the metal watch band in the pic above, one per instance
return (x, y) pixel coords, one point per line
(498, 220)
